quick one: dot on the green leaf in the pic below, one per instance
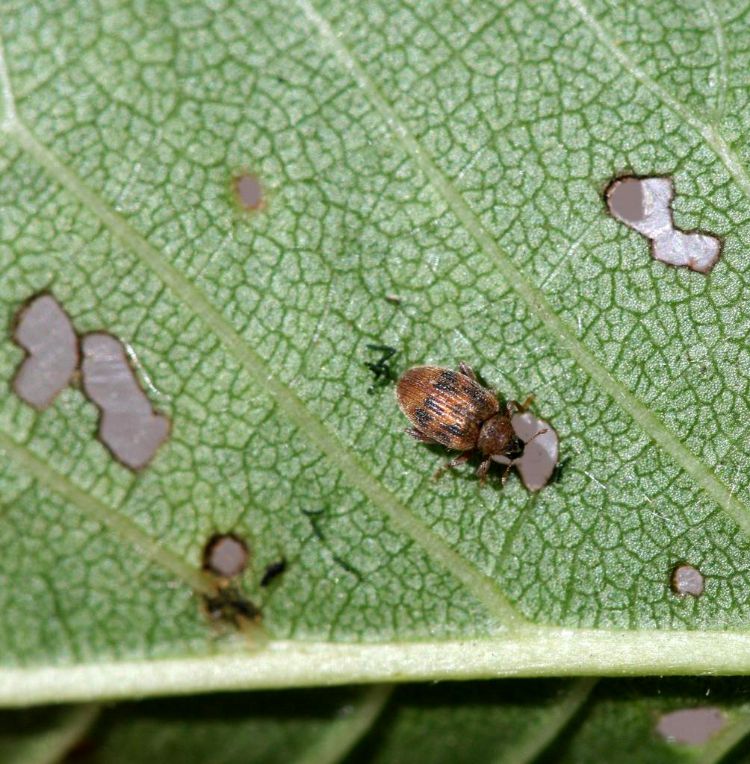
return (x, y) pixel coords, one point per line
(44, 735)
(510, 721)
(622, 719)
(304, 727)
(452, 157)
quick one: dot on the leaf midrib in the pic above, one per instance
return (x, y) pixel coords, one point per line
(544, 651)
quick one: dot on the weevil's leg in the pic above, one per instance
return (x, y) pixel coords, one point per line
(460, 459)
(514, 407)
(483, 469)
(506, 473)
(467, 371)
(417, 435)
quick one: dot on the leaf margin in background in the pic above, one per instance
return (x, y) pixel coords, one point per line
(503, 722)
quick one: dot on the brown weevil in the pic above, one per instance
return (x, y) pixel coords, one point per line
(452, 409)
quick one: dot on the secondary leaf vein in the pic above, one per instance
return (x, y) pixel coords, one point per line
(707, 131)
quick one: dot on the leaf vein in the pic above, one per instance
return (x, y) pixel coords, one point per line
(343, 734)
(722, 66)
(530, 745)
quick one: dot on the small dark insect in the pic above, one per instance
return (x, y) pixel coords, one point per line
(228, 605)
(273, 570)
(381, 369)
(451, 408)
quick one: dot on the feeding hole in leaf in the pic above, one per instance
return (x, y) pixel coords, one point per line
(248, 191)
(44, 330)
(538, 460)
(691, 726)
(687, 580)
(645, 205)
(225, 555)
(128, 426)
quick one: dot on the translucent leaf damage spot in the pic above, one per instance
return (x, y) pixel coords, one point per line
(249, 192)
(537, 463)
(687, 580)
(44, 331)
(129, 427)
(645, 205)
(225, 555)
(691, 726)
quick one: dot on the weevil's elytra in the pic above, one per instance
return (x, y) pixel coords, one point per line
(446, 382)
(452, 409)
(447, 406)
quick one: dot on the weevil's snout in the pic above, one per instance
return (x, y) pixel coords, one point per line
(497, 437)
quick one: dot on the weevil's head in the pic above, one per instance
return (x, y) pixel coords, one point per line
(498, 438)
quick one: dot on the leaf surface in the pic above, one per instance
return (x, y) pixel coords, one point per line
(453, 157)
